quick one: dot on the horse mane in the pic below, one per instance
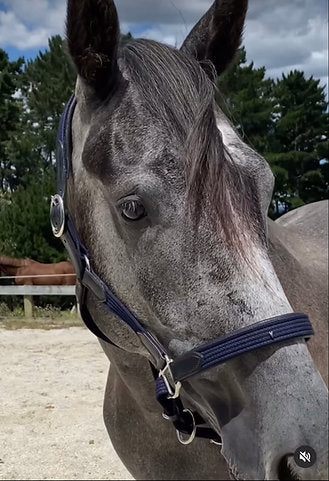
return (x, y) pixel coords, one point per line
(181, 94)
(13, 262)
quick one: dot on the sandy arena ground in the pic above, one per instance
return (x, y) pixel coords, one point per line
(51, 394)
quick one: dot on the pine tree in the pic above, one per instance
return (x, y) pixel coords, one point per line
(49, 83)
(46, 85)
(299, 139)
(10, 114)
(287, 122)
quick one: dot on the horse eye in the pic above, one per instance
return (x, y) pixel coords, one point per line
(132, 209)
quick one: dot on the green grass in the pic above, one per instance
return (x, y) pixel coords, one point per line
(14, 324)
(44, 318)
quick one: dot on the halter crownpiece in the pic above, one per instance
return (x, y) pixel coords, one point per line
(169, 373)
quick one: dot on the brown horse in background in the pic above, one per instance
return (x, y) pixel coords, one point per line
(31, 272)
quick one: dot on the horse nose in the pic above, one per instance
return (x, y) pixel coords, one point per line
(305, 463)
(285, 469)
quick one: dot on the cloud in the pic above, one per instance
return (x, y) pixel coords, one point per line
(16, 33)
(27, 24)
(280, 35)
(294, 35)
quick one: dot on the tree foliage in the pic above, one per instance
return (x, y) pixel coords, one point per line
(48, 84)
(45, 85)
(10, 114)
(300, 138)
(285, 120)
(24, 216)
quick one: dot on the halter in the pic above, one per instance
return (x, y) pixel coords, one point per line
(168, 373)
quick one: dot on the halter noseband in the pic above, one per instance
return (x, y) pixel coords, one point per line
(168, 373)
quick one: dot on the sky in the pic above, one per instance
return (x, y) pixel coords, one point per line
(280, 34)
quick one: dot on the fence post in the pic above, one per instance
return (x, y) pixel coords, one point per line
(28, 306)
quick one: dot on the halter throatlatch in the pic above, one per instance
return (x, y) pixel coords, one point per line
(169, 373)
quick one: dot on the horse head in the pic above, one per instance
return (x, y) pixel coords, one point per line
(172, 206)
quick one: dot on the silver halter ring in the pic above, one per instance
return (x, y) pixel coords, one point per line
(184, 438)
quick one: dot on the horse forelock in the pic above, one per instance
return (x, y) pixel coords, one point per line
(180, 94)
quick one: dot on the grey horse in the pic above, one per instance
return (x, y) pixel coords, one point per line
(172, 206)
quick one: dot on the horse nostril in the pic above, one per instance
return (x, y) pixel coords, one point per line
(285, 471)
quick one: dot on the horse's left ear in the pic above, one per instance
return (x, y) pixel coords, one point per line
(218, 34)
(93, 35)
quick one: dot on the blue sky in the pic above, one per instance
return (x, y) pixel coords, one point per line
(14, 53)
(280, 34)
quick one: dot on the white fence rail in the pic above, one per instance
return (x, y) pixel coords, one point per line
(29, 291)
(37, 290)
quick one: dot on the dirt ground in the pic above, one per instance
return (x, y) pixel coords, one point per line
(51, 393)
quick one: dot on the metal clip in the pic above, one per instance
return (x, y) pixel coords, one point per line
(87, 262)
(217, 443)
(173, 394)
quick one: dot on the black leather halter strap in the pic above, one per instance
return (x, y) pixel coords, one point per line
(168, 373)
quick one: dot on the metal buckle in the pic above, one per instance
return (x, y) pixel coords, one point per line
(191, 436)
(57, 215)
(173, 394)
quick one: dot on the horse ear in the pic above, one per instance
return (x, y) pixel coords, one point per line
(93, 35)
(218, 34)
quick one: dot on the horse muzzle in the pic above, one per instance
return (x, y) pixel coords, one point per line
(270, 409)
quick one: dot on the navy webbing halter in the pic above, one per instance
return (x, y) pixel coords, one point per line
(168, 373)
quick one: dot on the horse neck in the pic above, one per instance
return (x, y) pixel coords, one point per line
(305, 285)
(278, 251)
(9, 262)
